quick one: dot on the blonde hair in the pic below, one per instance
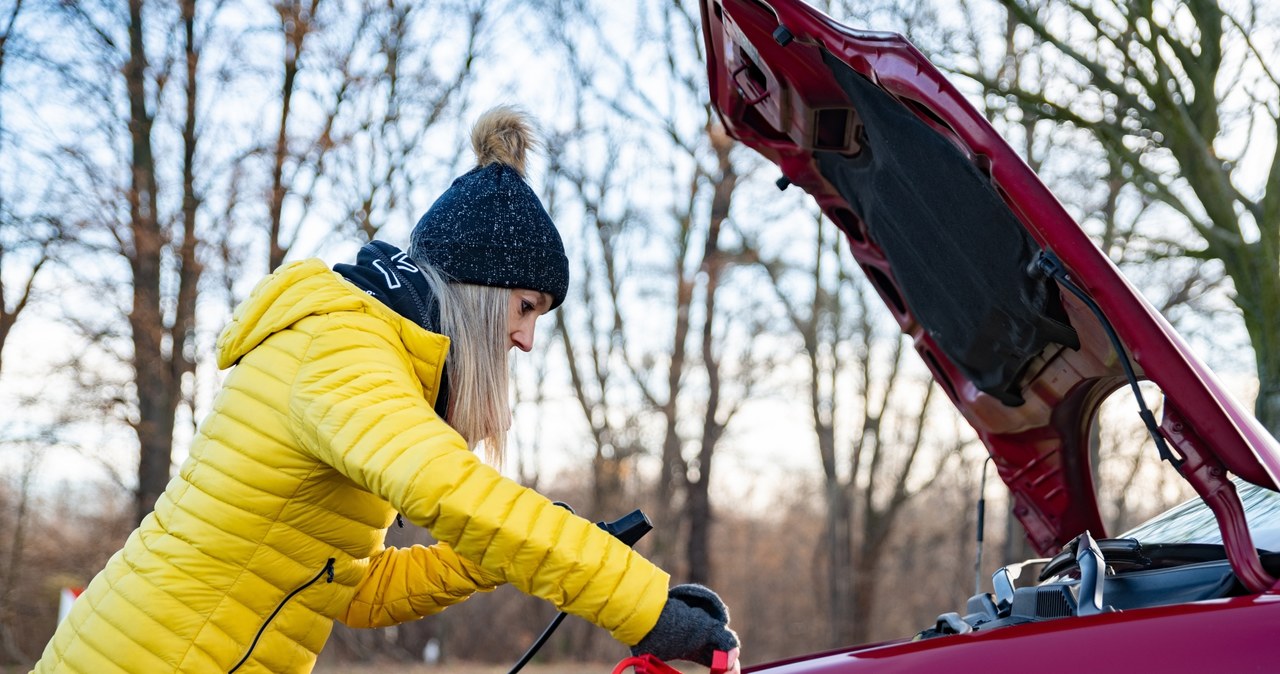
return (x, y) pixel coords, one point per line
(474, 318)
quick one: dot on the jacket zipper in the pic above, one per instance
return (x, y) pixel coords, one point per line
(327, 570)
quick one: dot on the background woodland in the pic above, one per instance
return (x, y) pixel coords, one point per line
(718, 364)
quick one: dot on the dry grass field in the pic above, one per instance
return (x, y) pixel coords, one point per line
(451, 668)
(470, 668)
(465, 668)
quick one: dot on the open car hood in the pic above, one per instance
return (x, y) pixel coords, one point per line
(949, 224)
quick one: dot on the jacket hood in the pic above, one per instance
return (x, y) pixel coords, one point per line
(293, 292)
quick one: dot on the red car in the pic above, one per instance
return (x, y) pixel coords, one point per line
(1027, 326)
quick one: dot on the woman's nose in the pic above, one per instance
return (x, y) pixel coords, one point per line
(523, 340)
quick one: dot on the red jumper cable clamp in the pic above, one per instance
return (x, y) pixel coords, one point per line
(647, 664)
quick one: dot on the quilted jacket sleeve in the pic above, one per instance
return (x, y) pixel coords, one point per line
(404, 584)
(357, 407)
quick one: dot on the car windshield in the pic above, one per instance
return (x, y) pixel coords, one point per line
(1193, 522)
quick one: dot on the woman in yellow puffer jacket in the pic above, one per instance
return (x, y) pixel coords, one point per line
(342, 411)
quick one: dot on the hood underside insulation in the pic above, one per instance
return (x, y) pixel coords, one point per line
(958, 254)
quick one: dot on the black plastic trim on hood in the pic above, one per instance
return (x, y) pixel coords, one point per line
(958, 254)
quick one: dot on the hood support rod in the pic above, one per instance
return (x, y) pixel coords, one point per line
(1201, 469)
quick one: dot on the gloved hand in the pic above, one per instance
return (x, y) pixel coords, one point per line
(694, 623)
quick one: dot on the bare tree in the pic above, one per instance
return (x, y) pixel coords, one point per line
(148, 176)
(125, 81)
(595, 344)
(683, 377)
(159, 367)
(28, 238)
(871, 442)
(51, 539)
(31, 236)
(1165, 91)
(29, 245)
(360, 86)
(14, 564)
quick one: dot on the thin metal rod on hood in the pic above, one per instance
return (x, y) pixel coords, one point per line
(982, 517)
(1048, 264)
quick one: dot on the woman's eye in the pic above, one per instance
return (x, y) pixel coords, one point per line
(525, 307)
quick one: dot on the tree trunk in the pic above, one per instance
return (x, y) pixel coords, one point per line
(713, 264)
(296, 23)
(189, 270)
(840, 569)
(12, 573)
(1260, 319)
(159, 341)
(154, 425)
(698, 510)
(865, 576)
(674, 473)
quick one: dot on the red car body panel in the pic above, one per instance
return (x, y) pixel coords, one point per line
(1226, 635)
(778, 97)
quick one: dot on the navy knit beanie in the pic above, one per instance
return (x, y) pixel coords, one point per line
(489, 228)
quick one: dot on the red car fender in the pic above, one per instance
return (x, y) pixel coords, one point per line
(1222, 635)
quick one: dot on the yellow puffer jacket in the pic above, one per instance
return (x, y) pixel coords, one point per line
(320, 434)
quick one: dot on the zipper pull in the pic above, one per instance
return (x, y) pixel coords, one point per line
(328, 569)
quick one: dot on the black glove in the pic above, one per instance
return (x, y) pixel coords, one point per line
(693, 624)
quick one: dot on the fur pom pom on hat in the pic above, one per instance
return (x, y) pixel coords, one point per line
(489, 228)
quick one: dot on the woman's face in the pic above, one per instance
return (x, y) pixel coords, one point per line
(523, 309)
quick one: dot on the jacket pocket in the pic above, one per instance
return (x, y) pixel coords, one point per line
(326, 571)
